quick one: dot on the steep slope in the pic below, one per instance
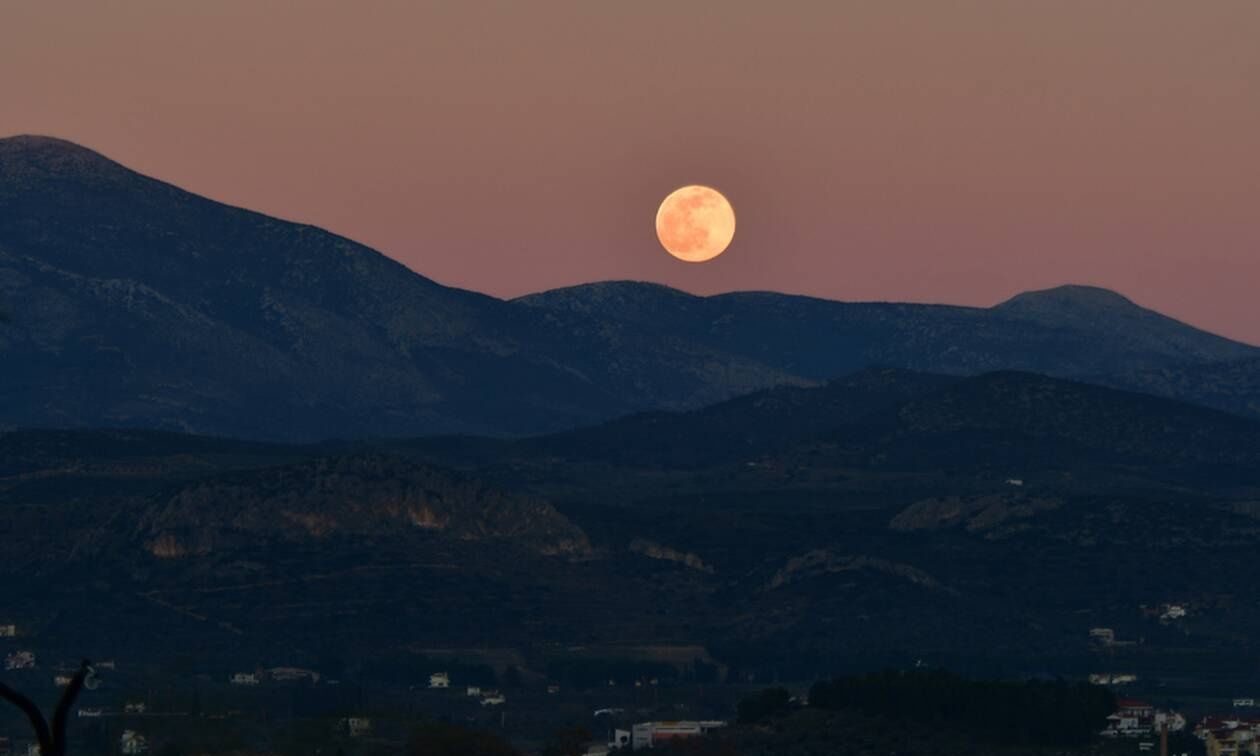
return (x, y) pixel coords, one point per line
(1104, 316)
(1232, 386)
(129, 302)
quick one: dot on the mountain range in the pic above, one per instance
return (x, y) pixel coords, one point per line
(225, 432)
(127, 302)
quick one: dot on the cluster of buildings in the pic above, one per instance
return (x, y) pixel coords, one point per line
(651, 734)
(1166, 613)
(1112, 678)
(1138, 719)
(275, 674)
(488, 696)
(1230, 736)
(20, 660)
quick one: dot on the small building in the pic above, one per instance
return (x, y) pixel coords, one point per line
(1244, 703)
(1017, 482)
(8, 631)
(553, 689)
(293, 674)
(357, 727)
(244, 678)
(135, 707)
(1103, 635)
(473, 691)
(439, 680)
(1112, 678)
(1172, 612)
(20, 660)
(1239, 741)
(62, 681)
(132, 743)
(651, 734)
(493, 698)
(92, 713)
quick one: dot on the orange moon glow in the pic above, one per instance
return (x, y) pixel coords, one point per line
(695, 223)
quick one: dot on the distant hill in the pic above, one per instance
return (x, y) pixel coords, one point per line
(1014, 421)
(1068, 331)
(746, 427)
(126, 302)
(892, 419)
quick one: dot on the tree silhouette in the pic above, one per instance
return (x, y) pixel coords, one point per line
(52, 740)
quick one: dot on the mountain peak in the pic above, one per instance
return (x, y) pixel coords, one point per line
(39, 145)
(33, 156)
(1068, 297)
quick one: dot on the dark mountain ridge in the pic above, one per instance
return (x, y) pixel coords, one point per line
(127, 302)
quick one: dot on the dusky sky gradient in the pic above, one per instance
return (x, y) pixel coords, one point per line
(945, 151)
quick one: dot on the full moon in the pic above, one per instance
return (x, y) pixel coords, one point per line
(695, 223)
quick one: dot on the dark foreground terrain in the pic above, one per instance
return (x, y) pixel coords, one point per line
(887, 519)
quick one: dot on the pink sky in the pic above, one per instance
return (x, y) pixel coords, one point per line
(943, 150)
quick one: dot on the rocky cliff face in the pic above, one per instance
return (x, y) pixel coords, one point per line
(359, 497)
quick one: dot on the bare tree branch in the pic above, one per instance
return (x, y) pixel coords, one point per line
(51, 743)
(32, 713)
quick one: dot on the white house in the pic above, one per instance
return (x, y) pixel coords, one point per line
(651, 734)
(473, 691)
(1172, 612)
(439, 680)
(1104, 635)
(291, 674)
(132, 743)
(20, 660)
